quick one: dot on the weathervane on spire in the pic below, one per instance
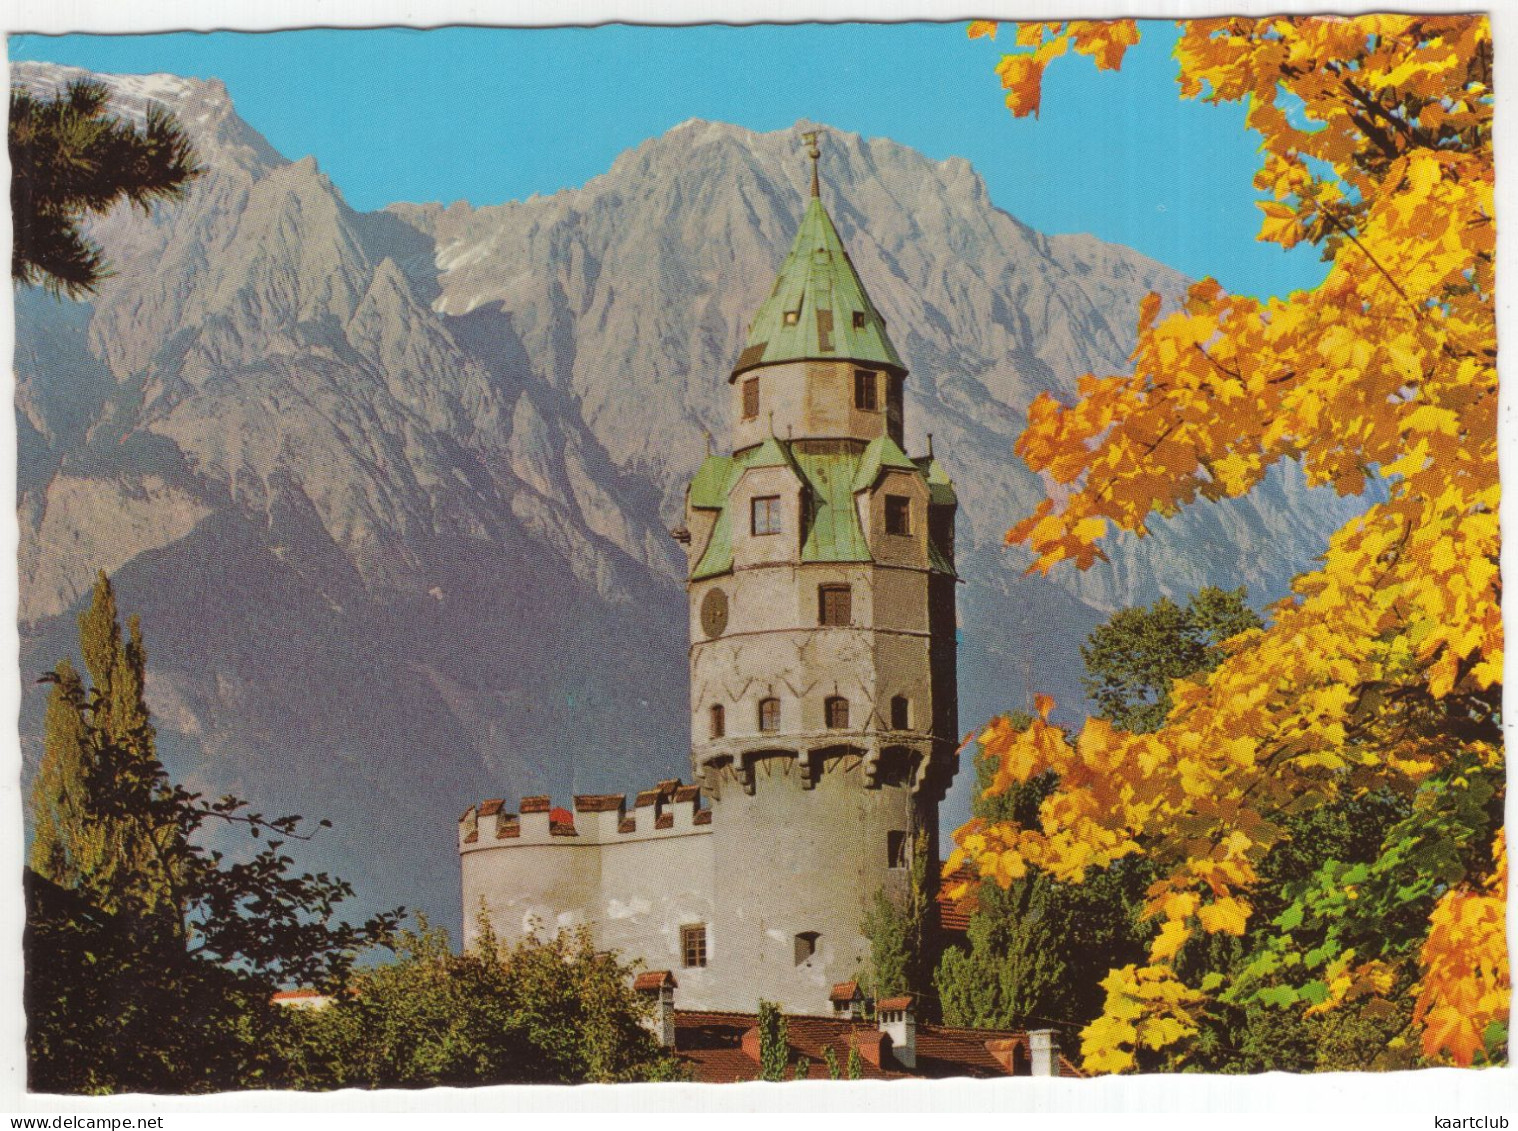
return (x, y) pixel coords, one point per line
(810, 137)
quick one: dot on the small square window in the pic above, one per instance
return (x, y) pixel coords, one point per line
(896, 849)
(834, 605)
(693, 944)
(859, 320)
(766, 515)
(898, 514)
(866, 390)
(750, 398)
(769, 715)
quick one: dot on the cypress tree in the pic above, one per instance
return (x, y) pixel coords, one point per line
(65, 841)
(774, 1042)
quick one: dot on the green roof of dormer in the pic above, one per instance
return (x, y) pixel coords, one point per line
(833, 532)
(881, 453)
(818, 309)
(712, 482)
(940, 486)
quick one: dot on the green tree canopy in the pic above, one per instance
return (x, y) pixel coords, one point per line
(1134, 657)
(150, 958)
(542, 1012)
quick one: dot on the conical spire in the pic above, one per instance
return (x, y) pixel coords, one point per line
(818, 308)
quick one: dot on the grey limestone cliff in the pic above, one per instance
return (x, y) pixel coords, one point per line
(391, 490)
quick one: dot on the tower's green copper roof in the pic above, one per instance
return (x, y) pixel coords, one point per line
(832, 480)
(818, 308)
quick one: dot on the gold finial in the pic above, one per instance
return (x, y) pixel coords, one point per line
(810, 137)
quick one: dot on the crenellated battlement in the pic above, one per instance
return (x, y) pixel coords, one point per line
(877, 760)
(670, 808)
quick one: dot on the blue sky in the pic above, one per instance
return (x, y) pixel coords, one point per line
(487, 115)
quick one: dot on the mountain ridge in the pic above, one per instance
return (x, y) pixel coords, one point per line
(392, 489)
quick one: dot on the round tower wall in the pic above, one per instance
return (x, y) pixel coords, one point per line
(803, 400)
(793, 862)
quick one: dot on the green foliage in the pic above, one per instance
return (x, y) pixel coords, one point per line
(896, 928)
(69, 157)
(1356, 876)
(1134, 657)
(855, 1063)
(150, 958)
(1038, 950)
(830, 1058)
(553, 1011)
(774, 1042)
(803, 1069)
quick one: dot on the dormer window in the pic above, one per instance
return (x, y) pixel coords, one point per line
(751, 398)
(765, 515)
(898, 514)
(866, 390)
(792, 317)
(859, 320)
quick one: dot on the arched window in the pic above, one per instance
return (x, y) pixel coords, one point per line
(901, 713)
(719, 721)
(769, 714)
(837, 708)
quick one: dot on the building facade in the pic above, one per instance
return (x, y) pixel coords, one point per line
(822, 683)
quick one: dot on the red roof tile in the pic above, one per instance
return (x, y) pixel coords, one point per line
(627, 825)
(845, 991)
(491, 808)
(668, 785)
(539, 804)
(599, 802)
(688, 793)
(655, 980)
(665, 821)
(505, 830)
(561, 828)
(903, 1002)
(647, 797)
(703, 817)
(954, 914)
(712, 1044)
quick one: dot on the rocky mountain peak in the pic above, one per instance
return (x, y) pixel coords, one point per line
(392, 490)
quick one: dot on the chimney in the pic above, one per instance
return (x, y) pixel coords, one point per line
(1043, 1051)
(658, 987)
(898, 1020)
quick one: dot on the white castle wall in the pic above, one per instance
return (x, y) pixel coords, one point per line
(616, 871)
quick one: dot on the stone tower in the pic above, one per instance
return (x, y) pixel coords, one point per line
(822, 625)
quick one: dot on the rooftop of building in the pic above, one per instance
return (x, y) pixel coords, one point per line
(713, 1045)
(818, 308)
(831, 478)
